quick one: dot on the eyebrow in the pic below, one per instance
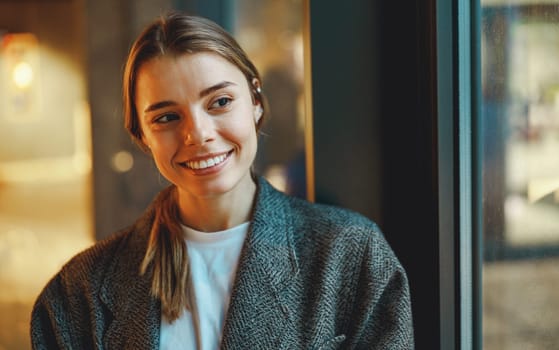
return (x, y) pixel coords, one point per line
(203, 93)
(159, 105)
(215, 87)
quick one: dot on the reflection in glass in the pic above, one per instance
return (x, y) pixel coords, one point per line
(520, 142)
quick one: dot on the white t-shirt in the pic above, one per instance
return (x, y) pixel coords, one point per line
(213, 259)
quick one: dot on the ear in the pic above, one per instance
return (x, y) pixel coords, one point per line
(255, 84)
(256, 99)
(255, 90)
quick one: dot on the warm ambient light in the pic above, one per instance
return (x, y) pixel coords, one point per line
(123, 161)
(22, 75)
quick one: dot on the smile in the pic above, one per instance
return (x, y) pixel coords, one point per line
(207, 162)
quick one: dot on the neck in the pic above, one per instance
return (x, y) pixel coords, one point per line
(220, 212)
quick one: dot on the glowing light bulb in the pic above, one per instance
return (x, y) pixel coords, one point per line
(22, 75)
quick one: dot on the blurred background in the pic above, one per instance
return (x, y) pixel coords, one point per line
(519, 136)
(70, 175)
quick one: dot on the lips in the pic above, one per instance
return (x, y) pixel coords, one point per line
(207, 162)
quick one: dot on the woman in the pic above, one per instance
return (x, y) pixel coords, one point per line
(220, 259)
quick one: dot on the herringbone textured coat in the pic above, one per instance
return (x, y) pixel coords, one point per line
(309, 277)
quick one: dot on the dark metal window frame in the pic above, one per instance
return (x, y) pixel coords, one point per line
(458, 98)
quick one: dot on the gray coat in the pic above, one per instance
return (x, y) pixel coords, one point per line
(309, 277)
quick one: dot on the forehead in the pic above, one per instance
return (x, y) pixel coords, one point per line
(196, 70)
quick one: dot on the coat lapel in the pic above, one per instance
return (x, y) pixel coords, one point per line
(258, 314)
(136, 314)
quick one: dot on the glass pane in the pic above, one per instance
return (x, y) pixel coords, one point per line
(271, 33)
(520, 133)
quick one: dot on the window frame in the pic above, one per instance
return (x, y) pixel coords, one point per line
(458, 103)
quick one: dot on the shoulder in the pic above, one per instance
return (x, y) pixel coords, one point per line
(84, 271)
(68, 303)
(70, 292)
(90, 263)
(329, 219)
(343, 228)
(75, 296)
(321, 224)
(312, 213)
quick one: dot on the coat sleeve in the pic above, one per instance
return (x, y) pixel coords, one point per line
(387, 323)
(49, 319)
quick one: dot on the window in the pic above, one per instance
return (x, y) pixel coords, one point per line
(519, 142)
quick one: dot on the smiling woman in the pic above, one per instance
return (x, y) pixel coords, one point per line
(220, 259)
(194, 108)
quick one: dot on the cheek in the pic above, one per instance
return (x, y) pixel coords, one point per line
(242, 132)
(247, 125)
(162, 145)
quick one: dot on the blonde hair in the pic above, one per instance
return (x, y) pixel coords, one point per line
(167, 251)
(174, 34)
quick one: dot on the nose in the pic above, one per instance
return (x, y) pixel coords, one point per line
(199, 129)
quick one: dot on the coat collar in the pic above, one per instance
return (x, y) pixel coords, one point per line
(258, 312)
(257, 309)
(270, 241)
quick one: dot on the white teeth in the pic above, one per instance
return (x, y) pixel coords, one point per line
(206, 163)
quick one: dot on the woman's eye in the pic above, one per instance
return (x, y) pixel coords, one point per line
(166, 118)
(221, 102)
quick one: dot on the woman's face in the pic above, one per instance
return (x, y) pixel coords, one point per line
(198, 118)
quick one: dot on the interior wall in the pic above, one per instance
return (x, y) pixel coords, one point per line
(346, 111)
